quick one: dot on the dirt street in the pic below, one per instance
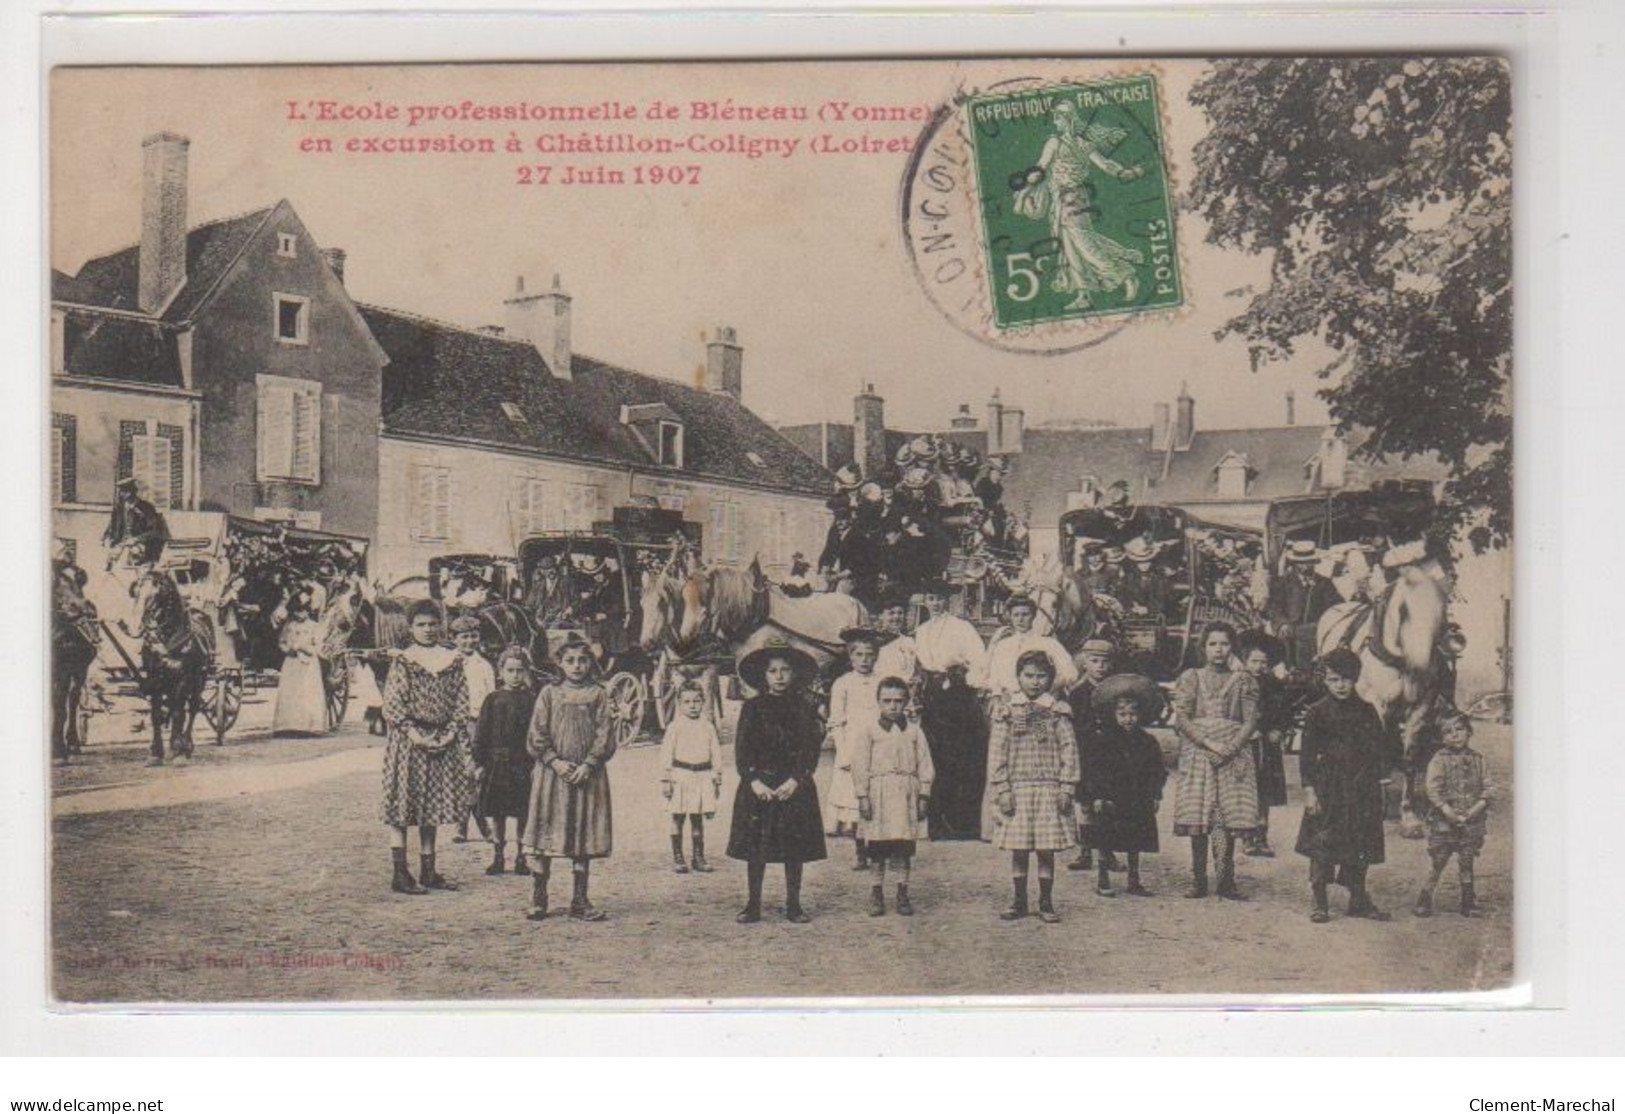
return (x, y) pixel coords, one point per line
(261, 874)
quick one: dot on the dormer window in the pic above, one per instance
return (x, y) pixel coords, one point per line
(287, 246)
(659, 429)
(1233, 472)
(514, 414)
(671, 444)
(756, 458)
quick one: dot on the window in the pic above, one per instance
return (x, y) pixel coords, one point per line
(153, 453)
(64, 458)
(578, 506)
(671, 444)
(289, 427)
(292, 318)
(530, 506)
(286, 245)
(431, 503)
(723, 544)
(1232, 472)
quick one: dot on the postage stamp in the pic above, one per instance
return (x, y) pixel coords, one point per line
(1076, 215)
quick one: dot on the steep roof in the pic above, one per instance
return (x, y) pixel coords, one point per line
(446, 381)
(121, 347)
(1275, 456)
(112, 280)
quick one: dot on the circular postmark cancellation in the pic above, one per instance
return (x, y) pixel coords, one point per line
(1039, 215)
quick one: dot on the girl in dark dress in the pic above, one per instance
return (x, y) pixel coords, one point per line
(1123, 776)
(776, 818)
(1346, 760)
(502, 765)
(1259, 654)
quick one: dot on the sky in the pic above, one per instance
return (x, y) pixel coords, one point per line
(803, 255)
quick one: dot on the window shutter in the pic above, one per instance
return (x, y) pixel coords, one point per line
(157, 481)
(276, 431)
(305, 413)
(65, 458)
(58, 454)
(442, 503)
(176, 436)
(127, 433)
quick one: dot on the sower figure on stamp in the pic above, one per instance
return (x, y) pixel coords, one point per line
(1346, 761)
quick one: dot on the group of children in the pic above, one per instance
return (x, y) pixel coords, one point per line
(539, 758)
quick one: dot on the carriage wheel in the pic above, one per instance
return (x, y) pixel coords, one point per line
(663, 685)
(338, 690)
(222, 700)
(627, 700)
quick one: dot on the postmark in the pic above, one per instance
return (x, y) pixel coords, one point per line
(1040, 216)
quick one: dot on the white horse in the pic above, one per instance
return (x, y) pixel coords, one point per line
(1397, 637)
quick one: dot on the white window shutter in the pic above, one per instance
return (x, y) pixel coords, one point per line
(157, 482)
(442, 504)
(305, 412)
(141, 465)
(276, 432)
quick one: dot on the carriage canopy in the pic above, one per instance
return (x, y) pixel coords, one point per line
(1386, 513)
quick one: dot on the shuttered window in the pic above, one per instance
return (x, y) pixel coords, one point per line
(289, 425)
(431, 503)
(176, 436)
(530, 506)
(150, 457)
(65, 458)
(724, 541)
(153, 453)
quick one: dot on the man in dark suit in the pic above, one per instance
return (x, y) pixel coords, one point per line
(1297, 601)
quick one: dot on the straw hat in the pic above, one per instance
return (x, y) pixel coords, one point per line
(1114, 555)
(916, 478)
(1130, 686)
(1142, 550)
(846, 477)
(1302, 552)
(753, 666)
(923, 448)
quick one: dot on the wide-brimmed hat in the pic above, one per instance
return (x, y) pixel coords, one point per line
(753, 666)
(1302, 552)
(871, 492)
(125, 484)
(923, 448)
(916, 478)
(1142, 549)
(998, 462)
(1130, 686)
(862, 634)
(905, 455)
(1406, 554)
(1097, 646)
(847, 477)
(1114, 555)
(464, 623)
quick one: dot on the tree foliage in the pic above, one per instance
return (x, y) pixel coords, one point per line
(1382, 188)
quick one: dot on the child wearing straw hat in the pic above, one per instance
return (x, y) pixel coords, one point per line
(776, 746)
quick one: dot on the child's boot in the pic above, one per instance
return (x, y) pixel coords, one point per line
(877, 901)
(1084, 861)
(698, 862)
(538, 897)
(1424, 903)
(1469, 901)
(431, 877)
(1227, 872)
(403, 882)
(580, 908)
(904, 907)
(678, 865)
(1322, 911)
(520, 864)
(497, 865)
(1018, 903)
(1198, 873)
(1103, 882)
(1046, 901)
(863, 854)
(1361, 905)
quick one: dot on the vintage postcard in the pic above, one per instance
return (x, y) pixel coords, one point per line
(731, 530)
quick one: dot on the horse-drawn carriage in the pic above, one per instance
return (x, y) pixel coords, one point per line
(1154, 575)
(202, 630)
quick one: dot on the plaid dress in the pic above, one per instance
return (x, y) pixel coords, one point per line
(1213, 705)
(423, 785)
(1033, 757)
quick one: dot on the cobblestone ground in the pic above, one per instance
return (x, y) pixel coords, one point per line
(261, 873)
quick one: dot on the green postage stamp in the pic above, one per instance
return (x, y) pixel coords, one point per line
(1075, 208)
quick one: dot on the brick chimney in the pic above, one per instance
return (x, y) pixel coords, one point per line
(1185, 427)
(869, 432)
(1159, 427)
(335, 261)
(161, 266)
(1291, 408)
(995, 424)
(725, 363)
(1015, 420)
(964, 420)
(544, 320)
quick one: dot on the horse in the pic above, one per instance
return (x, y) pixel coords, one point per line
(1067, 609)
(1402, 664)
(75, 638)
(688, 609)
(177, 646)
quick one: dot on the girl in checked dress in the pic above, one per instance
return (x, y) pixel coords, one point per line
(1033, 771)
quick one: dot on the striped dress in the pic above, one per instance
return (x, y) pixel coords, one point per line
(1213, 705)
(1033, 757)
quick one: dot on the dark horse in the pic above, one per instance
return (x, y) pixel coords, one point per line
(177, 645)
(74, 638)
